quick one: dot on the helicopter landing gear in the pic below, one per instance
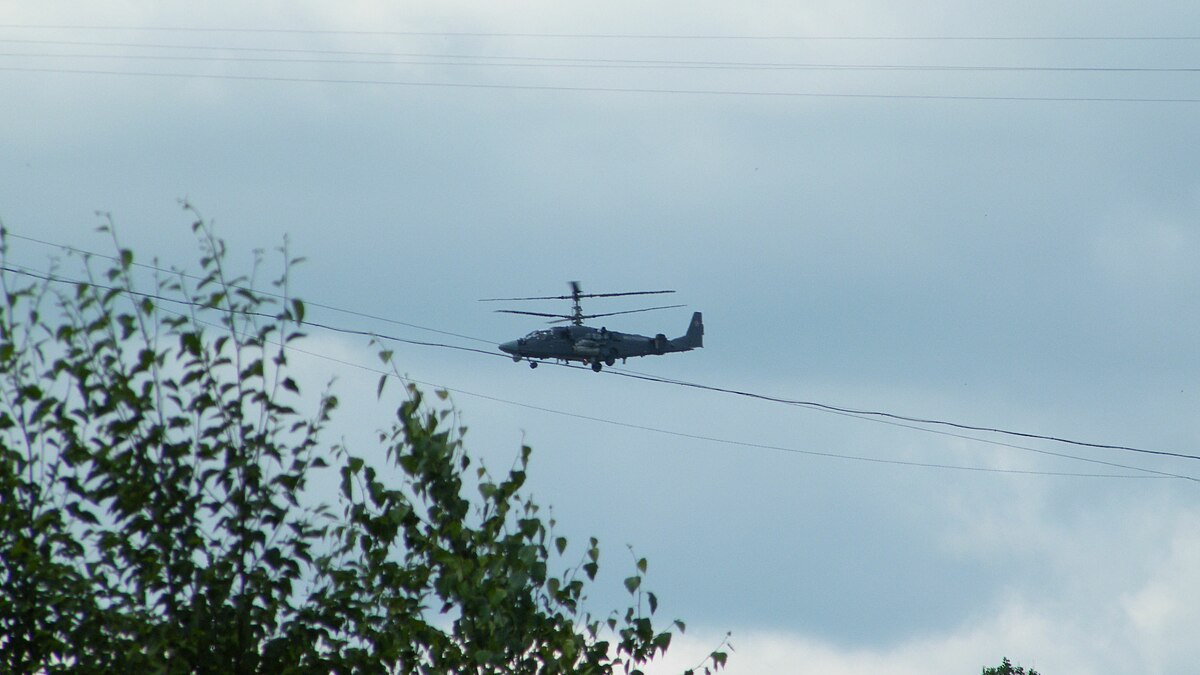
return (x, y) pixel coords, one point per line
(612, 358)
(596, 366)
(533, 364)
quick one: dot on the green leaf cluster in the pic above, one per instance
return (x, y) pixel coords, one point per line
(1007, 668)
(156, 513)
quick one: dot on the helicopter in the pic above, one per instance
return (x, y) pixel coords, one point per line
(597, 347)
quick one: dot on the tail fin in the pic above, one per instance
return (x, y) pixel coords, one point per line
(695, 334)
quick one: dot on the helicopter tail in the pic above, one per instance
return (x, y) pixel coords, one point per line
(694, 337)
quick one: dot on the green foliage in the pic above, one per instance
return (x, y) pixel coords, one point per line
(1007, 668)
(156, 513)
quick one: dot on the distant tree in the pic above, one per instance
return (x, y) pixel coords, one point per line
(157, 510)
(1007, 668)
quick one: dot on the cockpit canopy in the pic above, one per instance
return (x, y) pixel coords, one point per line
(561, 332)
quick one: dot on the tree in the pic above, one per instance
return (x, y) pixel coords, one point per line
(1007, 668)
(157, 510)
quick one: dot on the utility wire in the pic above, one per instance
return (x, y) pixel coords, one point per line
(858, 413)
(486, 60)
(53, 278)
(646, 377)
(545, 62)
(621, 36)
(939, 432)
(602, 90)
(1146, 473)
(187, 275)
(916, 420)
(889, 422)
(861, 414)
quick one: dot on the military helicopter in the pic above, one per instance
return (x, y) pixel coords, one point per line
(594, 346)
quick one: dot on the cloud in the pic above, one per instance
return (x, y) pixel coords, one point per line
(1056, 643)
(1163, 612)
(1116, 593)
(1145, 255)
(762, 653)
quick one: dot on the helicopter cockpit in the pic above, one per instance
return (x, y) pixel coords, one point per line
(546, 334)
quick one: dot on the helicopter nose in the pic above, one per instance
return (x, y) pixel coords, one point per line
(509, 347)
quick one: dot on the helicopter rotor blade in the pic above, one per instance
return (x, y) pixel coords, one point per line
(613, 295)
(631, 311)
(540, 297)
(517, 311)
(573, 296)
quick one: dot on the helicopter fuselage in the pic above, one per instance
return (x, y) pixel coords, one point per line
(596, 346)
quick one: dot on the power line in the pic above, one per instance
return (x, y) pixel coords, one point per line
(483, 61)
(52, 278)
(895, 423)
(1146, 473)
(916, 420)
(492, 60)
(620, 36)
(187, 275)
(465, 60)
(861, 414)
(603, 90)
(17, 269)
(807, 404)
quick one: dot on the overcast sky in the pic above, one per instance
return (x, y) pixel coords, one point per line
(877, 206)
